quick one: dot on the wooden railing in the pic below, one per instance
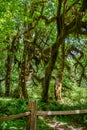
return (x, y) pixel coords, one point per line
(33, 113)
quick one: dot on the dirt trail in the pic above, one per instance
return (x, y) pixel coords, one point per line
(55, 125)
(63, 126)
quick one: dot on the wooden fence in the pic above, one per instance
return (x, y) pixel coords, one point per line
(33, 113)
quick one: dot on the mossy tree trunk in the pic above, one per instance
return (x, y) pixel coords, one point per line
(9, 61)
(8, 75)
(26, 59)
(23, 72)
(49, 68)
(54, 52)
(59, 79)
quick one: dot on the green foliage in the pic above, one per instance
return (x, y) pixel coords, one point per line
(18, 17)
(13, 107)
(42, 125)
(69, 119)
(34, 23)
(85, 17)
(13, 125)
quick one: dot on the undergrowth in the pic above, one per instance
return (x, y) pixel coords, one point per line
(16, 106)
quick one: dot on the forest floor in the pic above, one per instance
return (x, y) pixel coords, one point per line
(63, 126)
(55, 125)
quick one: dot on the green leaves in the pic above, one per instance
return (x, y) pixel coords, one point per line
(85, 17)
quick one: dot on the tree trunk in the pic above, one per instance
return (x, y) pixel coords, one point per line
(59, 79)
(10, 56)
(54, 52)
(48, 71)
(23, 73)
(8, 75)
(57, 90)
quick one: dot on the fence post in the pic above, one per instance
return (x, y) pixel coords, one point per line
(31, 123)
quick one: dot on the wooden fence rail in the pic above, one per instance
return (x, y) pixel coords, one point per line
(56, 113)
(14, 116)
(33, 113)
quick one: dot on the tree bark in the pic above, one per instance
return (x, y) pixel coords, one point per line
(48, 70)
(54, 52)
(23, 73)
(10, 56)
(8, 75)
(59, 79)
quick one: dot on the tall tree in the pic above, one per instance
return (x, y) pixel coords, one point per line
(10, 57)
(64, 28)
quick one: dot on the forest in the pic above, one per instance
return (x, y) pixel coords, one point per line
(43, 57)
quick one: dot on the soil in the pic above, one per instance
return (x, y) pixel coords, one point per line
(55, 125)
(63, 126)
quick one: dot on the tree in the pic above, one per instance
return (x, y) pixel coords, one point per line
(40, 37)
(10, 58)
(63, 30)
